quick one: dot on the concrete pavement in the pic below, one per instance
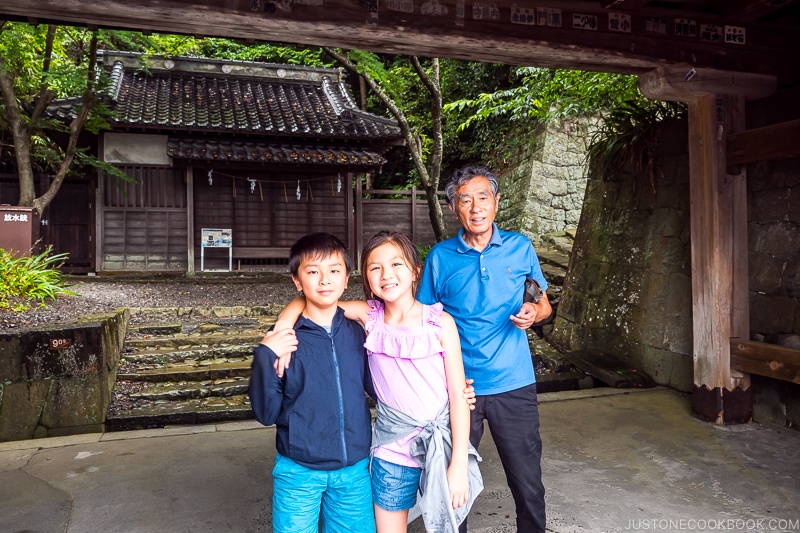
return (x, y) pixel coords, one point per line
(613, 461)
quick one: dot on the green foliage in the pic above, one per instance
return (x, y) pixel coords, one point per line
(22, 48)
(423, 250)
(179, 45)
(544, 94)
(30, 280)
(628, 135)
(381, 71)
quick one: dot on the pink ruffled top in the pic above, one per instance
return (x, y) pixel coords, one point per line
(407, 365)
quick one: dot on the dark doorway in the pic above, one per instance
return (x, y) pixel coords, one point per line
(68, 225)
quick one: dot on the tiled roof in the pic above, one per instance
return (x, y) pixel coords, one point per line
(263, 152)
(234, 97)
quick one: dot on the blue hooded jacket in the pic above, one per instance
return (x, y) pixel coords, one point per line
(319, 407)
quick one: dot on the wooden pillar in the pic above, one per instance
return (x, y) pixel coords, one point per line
(189, 177)
(349, 211)
(99, 235)
(719, 261)
(359, 198)
(718, 215)
(99, 210)
(413, 213)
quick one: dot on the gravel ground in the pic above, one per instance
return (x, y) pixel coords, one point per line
(105, 293)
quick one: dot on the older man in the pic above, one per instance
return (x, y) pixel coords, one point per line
(479, 276)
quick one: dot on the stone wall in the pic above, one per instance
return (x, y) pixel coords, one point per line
(628, 291)
(773, 230)
(543, 187)
(58, 381)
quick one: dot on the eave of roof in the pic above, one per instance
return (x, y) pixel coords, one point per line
(265, 152)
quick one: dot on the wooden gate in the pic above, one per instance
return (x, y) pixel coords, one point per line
(144, 223)
(68, 225)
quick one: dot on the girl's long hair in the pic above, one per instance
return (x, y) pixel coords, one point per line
(407, 248)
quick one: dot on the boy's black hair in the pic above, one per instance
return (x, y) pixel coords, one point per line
(316, 245)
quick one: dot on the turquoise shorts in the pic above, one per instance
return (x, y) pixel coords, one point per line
(394, 487)
(340, 500)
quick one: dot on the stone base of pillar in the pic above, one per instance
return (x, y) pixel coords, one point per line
(722, 406)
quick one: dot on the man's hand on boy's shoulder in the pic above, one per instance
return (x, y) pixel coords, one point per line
(283, 342)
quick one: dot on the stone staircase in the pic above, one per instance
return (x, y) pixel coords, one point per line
(186, 366)
(183, 366)
(554, 372)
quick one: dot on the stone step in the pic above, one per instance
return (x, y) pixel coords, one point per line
(141, 315)
(189, 371)
(146, 330)
(553, 257)
(553, 275)
(188, 342)
(149, 415)
(563, 381)
(188, 327)
(166, 356)
(187, 390)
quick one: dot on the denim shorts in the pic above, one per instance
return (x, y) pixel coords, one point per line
(394, 487)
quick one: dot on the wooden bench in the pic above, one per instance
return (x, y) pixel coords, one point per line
(258, 252)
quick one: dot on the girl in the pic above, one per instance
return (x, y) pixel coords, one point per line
(415, 359)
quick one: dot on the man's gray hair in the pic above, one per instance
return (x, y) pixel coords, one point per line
(463, 175)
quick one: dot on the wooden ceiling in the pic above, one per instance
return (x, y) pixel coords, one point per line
(628, 36)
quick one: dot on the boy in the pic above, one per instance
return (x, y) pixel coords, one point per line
(319, 407)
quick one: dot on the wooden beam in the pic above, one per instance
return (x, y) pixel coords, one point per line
(493, 37)
(764, 144)
(623, 5)
(752, 10)
(767, 360)
(685, 82)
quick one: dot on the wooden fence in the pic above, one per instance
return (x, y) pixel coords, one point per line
(406, 211)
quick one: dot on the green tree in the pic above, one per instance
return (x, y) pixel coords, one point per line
(391, 86)
(38, 64)
(216, 48)
(543, 94)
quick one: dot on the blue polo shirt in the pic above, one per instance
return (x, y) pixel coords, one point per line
(481, 290)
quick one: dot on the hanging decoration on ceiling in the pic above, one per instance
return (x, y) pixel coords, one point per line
(252, 182)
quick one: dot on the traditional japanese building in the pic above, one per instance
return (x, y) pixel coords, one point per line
(229, 162)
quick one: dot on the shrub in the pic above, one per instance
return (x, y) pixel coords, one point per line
(30, 280)
(423, 250)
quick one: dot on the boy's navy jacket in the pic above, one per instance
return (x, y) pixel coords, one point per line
(319, 407)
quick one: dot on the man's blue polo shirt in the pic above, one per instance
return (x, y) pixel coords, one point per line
(481, 290)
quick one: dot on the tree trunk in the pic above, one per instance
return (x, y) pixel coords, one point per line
(22, 139)
(429, 178)
(432, 182)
